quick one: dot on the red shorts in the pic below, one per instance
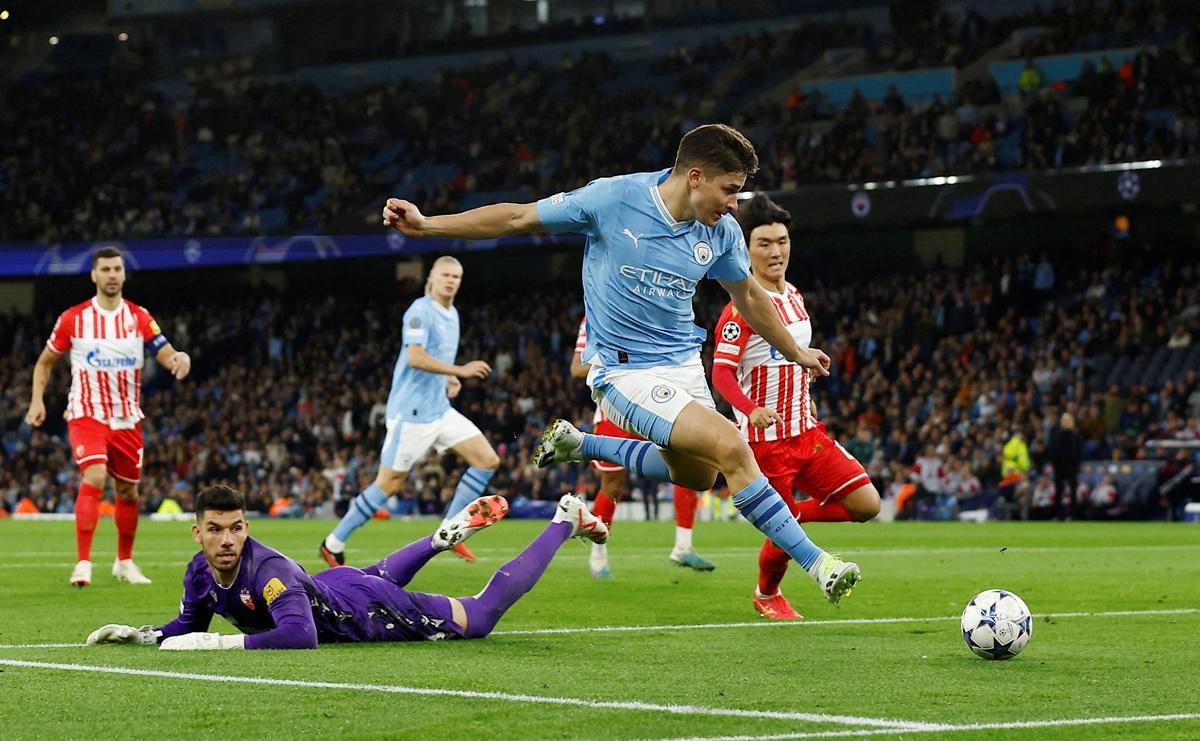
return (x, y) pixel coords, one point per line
(608, 428)
(814, 463)
(120, 451)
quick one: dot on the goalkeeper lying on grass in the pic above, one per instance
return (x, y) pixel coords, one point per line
(276, 604)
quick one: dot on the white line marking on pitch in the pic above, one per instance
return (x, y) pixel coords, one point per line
(892, 725)
(800, 623)
(953, 727)
(759, 624)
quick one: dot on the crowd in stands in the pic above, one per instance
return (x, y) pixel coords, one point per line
(948, 384)
(286, 157)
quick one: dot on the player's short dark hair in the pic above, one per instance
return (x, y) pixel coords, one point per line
(717, 148)
(761, 211)
(104, 252)
(219, 498)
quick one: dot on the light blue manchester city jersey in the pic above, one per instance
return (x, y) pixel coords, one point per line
(417, 395)
(641, 267)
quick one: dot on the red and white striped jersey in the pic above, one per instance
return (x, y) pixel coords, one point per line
(580, 346)
(107, 356)
(766, 377)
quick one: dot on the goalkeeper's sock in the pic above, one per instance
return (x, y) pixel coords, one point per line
(361, 509)
(401, 566)
(125, 515)
(87, 513)
(471, 486)
(512, 580)
(766, 510)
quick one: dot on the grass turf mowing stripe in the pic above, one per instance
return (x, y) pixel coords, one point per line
(956, 727)
(633, 705)
(758, 624)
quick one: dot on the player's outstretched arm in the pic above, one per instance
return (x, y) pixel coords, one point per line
(419, 359)
(177, 362)
(755, 305)
(485, 222)
(41, 376)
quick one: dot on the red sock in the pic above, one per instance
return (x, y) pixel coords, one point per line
(810, 510)
(772, 565)
(604, 507)
(126, 517)
(87, 512)
(685, 507)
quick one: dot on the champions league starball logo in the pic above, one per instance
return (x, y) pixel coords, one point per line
(731, 331)
(1129, 185)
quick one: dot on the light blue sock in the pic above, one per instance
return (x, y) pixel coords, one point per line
(470, 487)
(361, 509)
(763, 506)
(639, 457)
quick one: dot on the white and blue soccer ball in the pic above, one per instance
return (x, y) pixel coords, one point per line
(996, 624)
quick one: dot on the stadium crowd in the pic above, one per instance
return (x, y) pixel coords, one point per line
(245, 158)
(934, 373)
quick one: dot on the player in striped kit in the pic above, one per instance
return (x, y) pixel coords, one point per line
(774, 410)
(107, 337)
(614, 480)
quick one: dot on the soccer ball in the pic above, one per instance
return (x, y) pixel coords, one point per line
(996, 624)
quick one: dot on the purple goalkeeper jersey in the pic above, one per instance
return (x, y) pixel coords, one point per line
(279, 605)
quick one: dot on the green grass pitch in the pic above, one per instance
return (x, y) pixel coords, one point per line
(890, 662)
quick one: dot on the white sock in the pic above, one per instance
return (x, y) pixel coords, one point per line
(333, 544)
(683, 538)
(815, 571)
(599, 555)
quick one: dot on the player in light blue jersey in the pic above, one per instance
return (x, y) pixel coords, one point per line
(419, 415)
(651, 237)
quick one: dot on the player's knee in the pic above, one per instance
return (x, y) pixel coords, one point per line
(733, 453)
(490, 462)
(390, 484)
(126, 490)
(865, 506)
(94, 476)
(615, 485)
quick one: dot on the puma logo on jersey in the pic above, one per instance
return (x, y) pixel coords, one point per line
(634, 237)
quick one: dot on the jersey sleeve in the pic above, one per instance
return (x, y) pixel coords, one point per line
(152, 334)
(575, 211)
(416, 325)
(734, 262)
(194, 614)
(60, 336)
(279, 581)
(731, 334)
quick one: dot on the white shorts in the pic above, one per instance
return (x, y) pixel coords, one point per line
(647, 401)
(408, 442)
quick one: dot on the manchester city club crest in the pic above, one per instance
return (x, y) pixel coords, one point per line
(703, 253)
(662, 393)
(247, 600)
